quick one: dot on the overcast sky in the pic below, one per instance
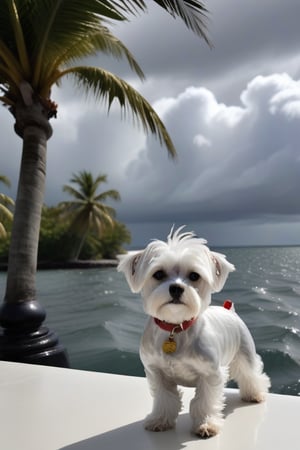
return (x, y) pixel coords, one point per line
(233, 113)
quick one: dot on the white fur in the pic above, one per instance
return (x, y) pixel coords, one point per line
(218, 346)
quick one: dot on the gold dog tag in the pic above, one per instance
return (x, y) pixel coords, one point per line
(169, 346)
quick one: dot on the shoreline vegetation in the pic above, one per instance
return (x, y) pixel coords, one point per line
(72, 264)
(77, 264)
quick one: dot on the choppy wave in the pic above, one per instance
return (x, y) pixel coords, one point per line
(282, 368)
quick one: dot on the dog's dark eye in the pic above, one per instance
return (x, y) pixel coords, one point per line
(194, 276)
(159, 275)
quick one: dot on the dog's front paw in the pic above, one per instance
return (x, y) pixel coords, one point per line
(158, 423)
(208, 429)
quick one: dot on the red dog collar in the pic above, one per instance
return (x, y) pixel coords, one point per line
(178, 327)
(174, 327)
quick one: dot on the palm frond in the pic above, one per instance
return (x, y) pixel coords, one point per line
(44, 42)
(6, 101)
(108, 87)
(6, 204)
(5, 212)
(3, 233)
(5, 76)
(4, 180)
(129, 6)
(84, 177)
(68, 210)
(12, 65)
(6, 200)
(57, 22)
(19, 38)
(113, 194)
(80, 222)
(87, 184)
(73, 192)
(101, 40)
(100, 179)
(102, 217)
(105, 210)
(192, 12)
(105, 41)
(101, 222)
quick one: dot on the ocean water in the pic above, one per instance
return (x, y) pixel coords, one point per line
(100, 321)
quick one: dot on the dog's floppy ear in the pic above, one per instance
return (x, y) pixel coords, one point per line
(221, 268)
(130, 266)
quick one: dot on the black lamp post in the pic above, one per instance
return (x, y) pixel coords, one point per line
(24, 338)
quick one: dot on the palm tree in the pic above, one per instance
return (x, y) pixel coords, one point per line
(40, 43)
(88, 212)
(5, 202)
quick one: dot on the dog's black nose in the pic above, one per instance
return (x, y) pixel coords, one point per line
(175, 291)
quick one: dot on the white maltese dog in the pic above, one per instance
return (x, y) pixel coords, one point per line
(187, 342)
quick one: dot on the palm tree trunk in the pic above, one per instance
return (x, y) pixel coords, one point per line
(21, 278)
(80, 245)
(21, 315)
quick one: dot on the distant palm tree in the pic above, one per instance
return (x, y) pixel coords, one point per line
(5, 202)
(88, 212)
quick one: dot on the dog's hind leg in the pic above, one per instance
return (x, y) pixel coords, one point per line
(166, 403)
(247, 370)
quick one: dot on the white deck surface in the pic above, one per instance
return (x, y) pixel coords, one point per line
(47, 408)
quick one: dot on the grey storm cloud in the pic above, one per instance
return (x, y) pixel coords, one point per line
(233, 162)
(247, 37)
